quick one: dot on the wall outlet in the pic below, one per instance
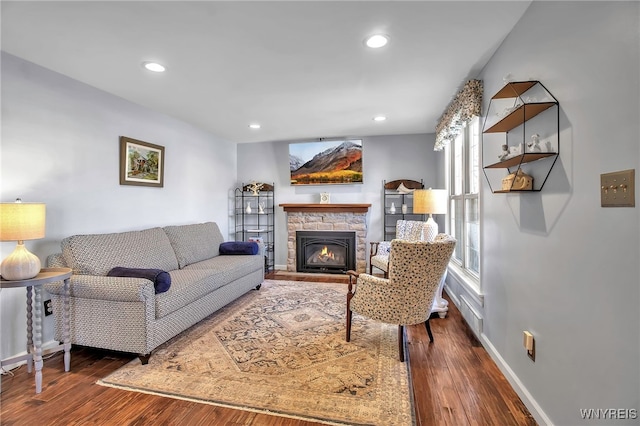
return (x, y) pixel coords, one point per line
(48, 308)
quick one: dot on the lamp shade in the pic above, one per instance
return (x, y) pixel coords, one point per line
(430, 201)
(22, 221)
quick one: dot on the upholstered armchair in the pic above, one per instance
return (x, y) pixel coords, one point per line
(407, 295)
(409, 230)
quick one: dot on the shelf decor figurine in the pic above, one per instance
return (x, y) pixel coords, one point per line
(248, 209)
(392, 209)
(255, 187)
(261, 208)
(534, 145)
(404, 209)
(505, 153)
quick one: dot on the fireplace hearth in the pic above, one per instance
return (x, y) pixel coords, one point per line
(325, 251)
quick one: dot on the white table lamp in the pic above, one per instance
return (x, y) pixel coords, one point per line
(430, 201)
(19, 222)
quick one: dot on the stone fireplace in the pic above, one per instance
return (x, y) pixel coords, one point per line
(333, 252)
(344, 218)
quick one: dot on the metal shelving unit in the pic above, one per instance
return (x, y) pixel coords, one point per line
(255, 219)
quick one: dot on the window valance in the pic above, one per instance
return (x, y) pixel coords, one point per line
(466, 105)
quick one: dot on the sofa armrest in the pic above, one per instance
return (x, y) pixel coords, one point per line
(97, 287)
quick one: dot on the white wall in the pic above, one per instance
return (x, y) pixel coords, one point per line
(555, 262)
(384, 158)
(60, 146)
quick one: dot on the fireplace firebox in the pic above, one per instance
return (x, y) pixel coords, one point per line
(325, 251)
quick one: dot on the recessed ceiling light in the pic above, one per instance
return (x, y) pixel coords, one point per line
(154, 66)
(254, 125)
(377, 40)
(379, 118)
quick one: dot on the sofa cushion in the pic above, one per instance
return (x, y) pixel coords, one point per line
(161, 279)
(196, 242)
(199, 279)
(239, 247)
(96, 254)
(231, 267)
(187, 286)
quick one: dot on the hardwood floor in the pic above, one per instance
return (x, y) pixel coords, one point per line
(455, 382)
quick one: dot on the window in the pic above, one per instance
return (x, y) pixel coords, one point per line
(463, 155)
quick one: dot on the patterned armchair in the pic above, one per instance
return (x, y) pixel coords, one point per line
(406, 297)
(409, 230)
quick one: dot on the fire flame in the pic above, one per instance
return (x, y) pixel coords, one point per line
(326, 253)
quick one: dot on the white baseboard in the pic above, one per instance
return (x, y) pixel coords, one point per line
(45, 346)
(528, 400)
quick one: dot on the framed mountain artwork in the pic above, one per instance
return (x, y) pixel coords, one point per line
(326, 162)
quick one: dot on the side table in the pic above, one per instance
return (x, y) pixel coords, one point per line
(34, 347)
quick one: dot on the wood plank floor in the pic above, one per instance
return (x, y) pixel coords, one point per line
(455, 382)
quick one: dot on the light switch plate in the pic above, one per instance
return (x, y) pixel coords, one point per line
(617, 189)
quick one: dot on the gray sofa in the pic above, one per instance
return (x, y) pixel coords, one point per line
(125, 314)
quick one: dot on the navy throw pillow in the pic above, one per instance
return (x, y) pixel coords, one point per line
(161, 279)
(239, 247)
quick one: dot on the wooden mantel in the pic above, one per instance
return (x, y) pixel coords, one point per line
(326, 208)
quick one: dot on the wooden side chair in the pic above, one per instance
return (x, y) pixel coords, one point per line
(406, 296)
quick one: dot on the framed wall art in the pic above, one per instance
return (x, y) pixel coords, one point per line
(326, 162)
(141, 163)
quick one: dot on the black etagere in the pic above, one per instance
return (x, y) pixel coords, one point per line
(254, 213)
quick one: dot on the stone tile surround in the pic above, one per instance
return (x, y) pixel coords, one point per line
(340, 219)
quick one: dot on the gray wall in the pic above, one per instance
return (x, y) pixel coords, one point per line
(60, 146)
(384, 158)
(556, 263)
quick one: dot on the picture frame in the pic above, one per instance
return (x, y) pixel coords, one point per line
(326, 162)
(141, 163)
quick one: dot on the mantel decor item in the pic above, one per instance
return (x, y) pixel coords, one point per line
(141, 163)
(326, 162)
(20, 222)
(325, 198)
(430, 201)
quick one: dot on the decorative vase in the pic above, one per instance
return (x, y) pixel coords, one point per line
(404, 209)
(248, 209)
(392, 209)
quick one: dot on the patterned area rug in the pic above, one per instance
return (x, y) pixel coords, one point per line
(282, 350)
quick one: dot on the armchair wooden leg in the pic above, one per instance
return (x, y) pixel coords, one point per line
(349, 313)
(350, 293)
(428, 327)
(401, 342)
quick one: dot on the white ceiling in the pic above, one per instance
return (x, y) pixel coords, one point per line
(300, 69)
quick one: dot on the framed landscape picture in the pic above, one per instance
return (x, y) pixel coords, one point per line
(326, 162)
(141, 163)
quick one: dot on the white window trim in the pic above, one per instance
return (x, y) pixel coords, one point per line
(472, 283)
(469, 282)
